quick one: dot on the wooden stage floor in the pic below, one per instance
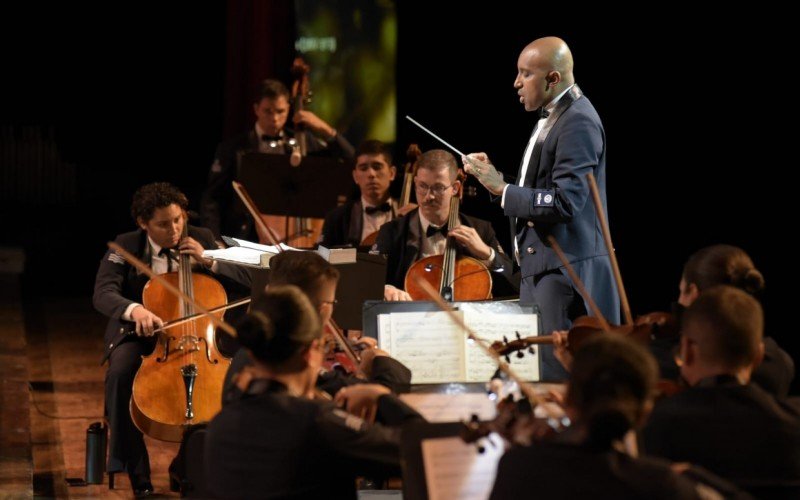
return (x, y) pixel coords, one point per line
(61, 340)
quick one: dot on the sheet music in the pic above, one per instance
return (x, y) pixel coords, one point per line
(429, 344)
(490, 327)
(438, 407)
(263, 248)
(235, 254)
(455, 470)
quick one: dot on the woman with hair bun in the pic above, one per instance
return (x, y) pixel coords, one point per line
(277, 440)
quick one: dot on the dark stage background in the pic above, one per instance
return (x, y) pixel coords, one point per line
(694, 110)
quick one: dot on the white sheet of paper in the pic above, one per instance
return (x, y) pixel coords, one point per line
(437, 407)
(235, 254)
(262, 248)
(491, 327)
(454, 470)
(430, 345)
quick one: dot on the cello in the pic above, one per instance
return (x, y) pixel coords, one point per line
(301, 232)
(180, 382)
(456, 277)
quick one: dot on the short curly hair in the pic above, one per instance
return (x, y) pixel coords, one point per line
(149, 197)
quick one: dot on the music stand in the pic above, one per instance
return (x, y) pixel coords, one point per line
(312, 189)
(359, 282)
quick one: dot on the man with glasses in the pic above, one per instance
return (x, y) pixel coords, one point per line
(423, 232)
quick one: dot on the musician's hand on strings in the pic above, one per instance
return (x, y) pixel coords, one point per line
(361, 399)
(471, 240)
(560, 344)
(481, 168)
(315, 123)
(392, 293)
(146, 321)
(194, 249)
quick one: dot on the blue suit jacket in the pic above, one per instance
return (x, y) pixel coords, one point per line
(555, 200)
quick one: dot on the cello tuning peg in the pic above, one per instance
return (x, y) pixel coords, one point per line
(520, 354)
(531, 350)
(508, 359)
(505, 340)
(519, 337)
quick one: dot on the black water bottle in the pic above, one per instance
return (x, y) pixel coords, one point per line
(96, 436)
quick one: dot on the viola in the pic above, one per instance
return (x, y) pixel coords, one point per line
(456, 277)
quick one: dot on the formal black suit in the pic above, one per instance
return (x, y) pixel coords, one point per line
(273, 445)
(217, 207)
(736, 431)
(554, 200)
(555, 470)
(344, 224)
(117, 286)
(400, 240)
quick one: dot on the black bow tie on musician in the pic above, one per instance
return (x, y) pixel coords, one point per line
(432, 230)
(382, 208)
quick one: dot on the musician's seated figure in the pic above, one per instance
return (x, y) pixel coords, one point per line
(318, 279)
(723, 421)
(159, 210)
(277, 440)
(609, 395)
(423, 232)
(357, 219)
(268, 135)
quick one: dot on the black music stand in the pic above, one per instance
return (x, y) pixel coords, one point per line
(359, 282)
(312, 189)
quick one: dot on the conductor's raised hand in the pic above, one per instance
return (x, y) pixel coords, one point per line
(479, 166)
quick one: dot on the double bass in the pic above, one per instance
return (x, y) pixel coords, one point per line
(301, 232)
(180, 382)
(457, 278)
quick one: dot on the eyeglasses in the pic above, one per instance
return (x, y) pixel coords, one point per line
(437, 190)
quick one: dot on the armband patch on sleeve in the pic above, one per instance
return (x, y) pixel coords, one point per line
(543, 197)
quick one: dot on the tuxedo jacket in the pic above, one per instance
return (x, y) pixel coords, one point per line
(554, 200)
(118, 284)
(344, 224)
(400, 241)
(217, 208)
(739, 432)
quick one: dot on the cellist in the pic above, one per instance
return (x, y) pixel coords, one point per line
(354, 221)
(159, 210)
(423, 232)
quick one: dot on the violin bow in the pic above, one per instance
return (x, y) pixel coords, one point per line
(524, 386)
(337, 334)
(142, 267)
(578, 283)
(601, 216)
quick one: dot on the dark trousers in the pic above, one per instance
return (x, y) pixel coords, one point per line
(127, 451)
(559, 304)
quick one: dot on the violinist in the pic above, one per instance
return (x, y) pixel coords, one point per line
(318, 279)
(352, 222)
(550, 194)
(723, 421)
(268, 135)
(276, 441)
(726, 265)
(610, 393)
(159, 209)
(423, 232)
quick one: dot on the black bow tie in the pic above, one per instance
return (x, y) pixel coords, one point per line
(543, 113)
(383, 207)
(433, 230)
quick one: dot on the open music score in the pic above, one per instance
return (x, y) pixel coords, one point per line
(437, 351)
(454, 470)
(245, 252)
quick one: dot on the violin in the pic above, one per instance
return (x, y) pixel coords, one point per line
(457, 278)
